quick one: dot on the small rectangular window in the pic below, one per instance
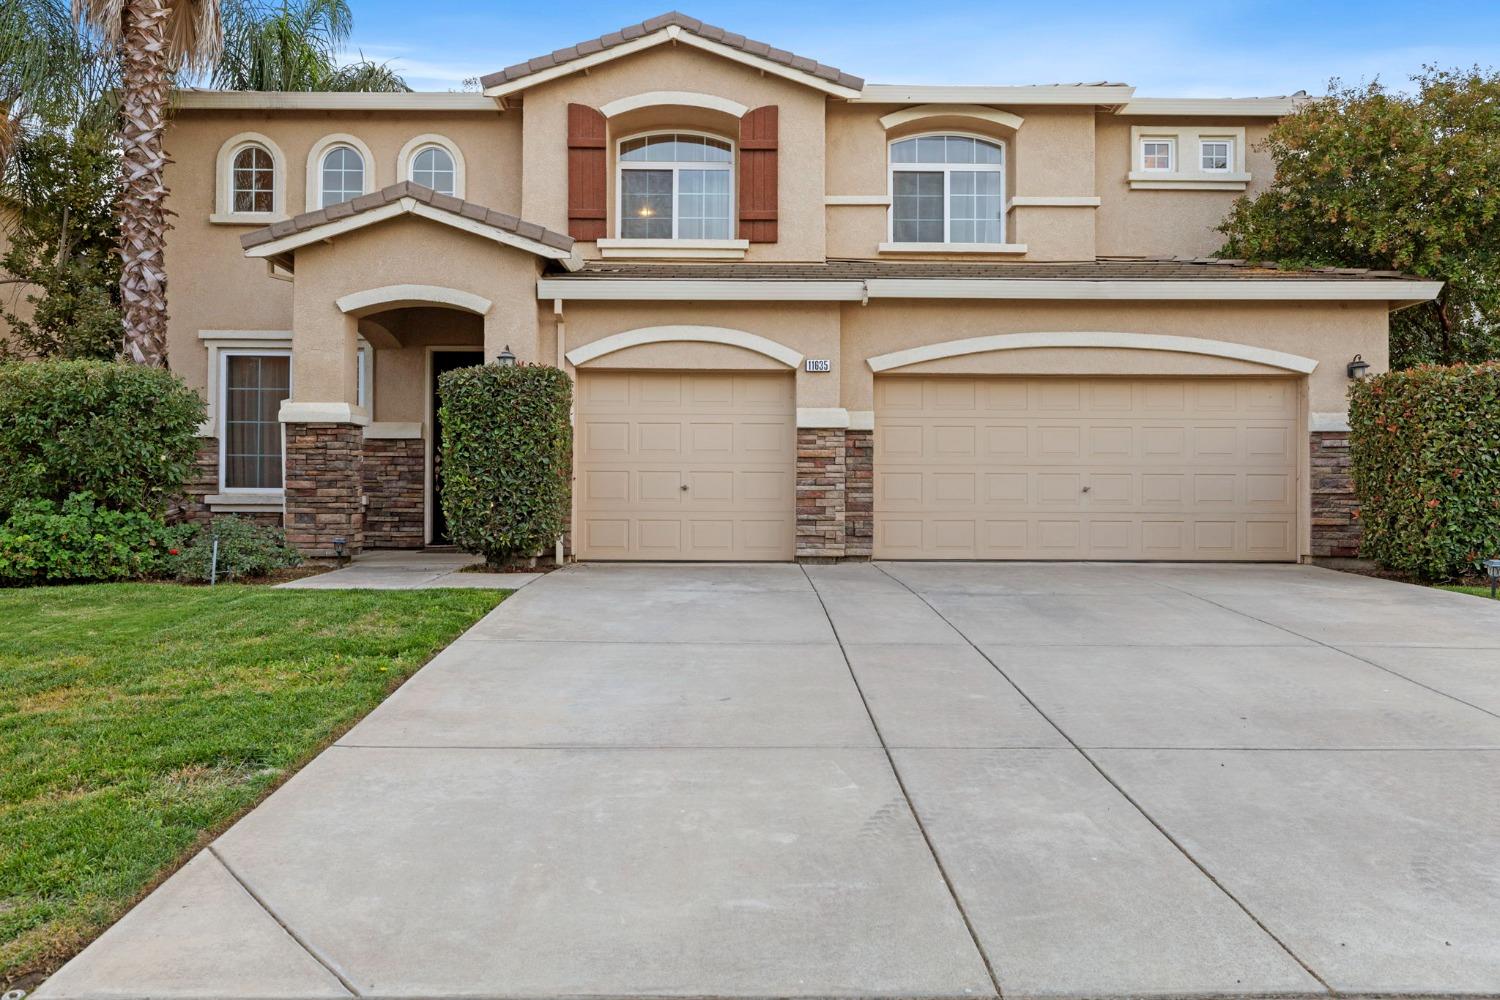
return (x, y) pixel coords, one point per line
(1156, 154)
(1216, 154)
(255, 385)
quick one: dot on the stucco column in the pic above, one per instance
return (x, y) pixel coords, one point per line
(323, 431)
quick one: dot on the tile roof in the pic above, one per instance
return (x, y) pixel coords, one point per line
(692, 24)
(1103, 269)
(394, 193)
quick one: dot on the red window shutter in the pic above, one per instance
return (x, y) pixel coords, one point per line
(758, 169)
(586, 173)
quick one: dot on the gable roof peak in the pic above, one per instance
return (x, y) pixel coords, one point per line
(595, 50)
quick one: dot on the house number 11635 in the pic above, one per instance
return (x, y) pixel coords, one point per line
(819, 365)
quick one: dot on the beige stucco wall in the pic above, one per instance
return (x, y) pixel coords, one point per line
(12, 296)
(212, 285)
(544, 197)
(1165, 223)
(402, 251)
(400, 376)
(1330, 333)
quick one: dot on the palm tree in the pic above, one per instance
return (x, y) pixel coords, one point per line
(155, 39)
(294, 45)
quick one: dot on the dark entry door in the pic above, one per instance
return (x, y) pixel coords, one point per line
(443, 361)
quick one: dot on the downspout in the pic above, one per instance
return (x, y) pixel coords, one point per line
(562, 344)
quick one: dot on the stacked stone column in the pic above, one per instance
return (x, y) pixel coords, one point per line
(1336, 529)
(324, 492)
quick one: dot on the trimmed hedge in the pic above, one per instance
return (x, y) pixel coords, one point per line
(507, 445)
(1425, 456)
(78, 541)
(124, 434)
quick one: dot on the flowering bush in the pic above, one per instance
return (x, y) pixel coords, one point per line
(1425, 456)
(245, 549)
(77, 541)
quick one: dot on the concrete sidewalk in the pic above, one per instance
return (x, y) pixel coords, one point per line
(903, 780)
(410, 570)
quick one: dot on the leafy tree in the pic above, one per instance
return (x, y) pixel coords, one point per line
(62, 244)
(1366, 177)
(294, 45)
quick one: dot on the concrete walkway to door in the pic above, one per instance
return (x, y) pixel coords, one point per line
(900, 780)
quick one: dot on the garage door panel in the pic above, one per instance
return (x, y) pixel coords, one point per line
(686, 465)
(1085, 468)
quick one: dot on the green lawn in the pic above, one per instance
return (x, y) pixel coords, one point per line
(1476, 591)
(137, 720)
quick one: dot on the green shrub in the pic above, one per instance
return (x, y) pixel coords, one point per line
(125, 434)
(1425, 454)
(507, 456)
(245, 549)
(44, 542)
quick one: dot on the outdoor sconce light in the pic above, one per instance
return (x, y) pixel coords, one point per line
(338, 549)
(505, 359)
(1358, 367)
(1492, 567)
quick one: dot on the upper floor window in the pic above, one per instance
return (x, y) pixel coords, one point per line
(433, 167)
(947, 189)
(250, 181)
(254, 180)
(343, 172)
(1216, 154)
(1156, 154)
(676, 186)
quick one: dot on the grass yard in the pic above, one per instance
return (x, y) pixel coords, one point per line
(1476, 591)
(138, 720)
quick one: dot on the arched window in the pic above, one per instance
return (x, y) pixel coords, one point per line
(343, 175)
(676, 186)
(253, 182)
(433, 167)
(947, 189)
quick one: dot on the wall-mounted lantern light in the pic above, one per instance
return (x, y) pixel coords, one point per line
(1358, 367)
(505, 359)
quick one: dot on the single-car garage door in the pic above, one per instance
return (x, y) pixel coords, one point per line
(685, 465)
(1085, 468)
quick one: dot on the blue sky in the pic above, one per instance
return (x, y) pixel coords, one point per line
(1164, 48)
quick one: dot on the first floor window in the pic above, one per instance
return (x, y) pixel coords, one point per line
(1215, 154)
(254, 180)
(254, 387)
(676, 186)
(1156, 154)
(947, 189)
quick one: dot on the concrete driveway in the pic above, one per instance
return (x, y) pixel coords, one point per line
(914, 780)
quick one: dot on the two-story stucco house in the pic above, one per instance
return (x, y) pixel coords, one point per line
(807, 316)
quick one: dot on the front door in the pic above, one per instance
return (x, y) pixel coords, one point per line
(443, 361)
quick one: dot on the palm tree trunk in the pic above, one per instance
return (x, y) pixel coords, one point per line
(143, 214)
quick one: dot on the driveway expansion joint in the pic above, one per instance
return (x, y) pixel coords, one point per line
(906, 797)
(1139, 807)
(313, 952)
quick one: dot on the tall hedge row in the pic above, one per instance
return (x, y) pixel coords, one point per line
(507, 444)
(1425, 453)
(123, 434)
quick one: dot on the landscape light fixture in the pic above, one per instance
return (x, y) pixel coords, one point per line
(505, 359)
(338, 549)
(1492, 567)
(1358, 367)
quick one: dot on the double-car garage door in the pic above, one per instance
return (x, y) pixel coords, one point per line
(688, 465)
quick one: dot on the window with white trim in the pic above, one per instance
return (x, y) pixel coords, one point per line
(433, 167)
(343, 175)
(947, 189)
(252, 387)
(252, 180)
(1157, 154)
(1215, 155)
(676, 186)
